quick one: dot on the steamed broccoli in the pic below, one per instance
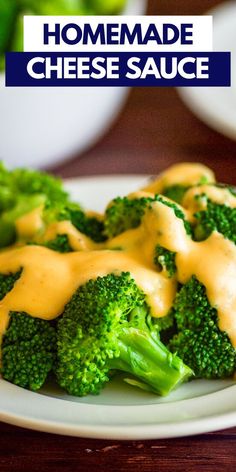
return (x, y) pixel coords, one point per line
(60, 244)
(105, 7)
(177, 211)
(23, 205)
(13, 11)
(165, 259)
(219, 217)
(199, 341)
(30, 182)
(88, 225)
(7, 282)
(28, 351)
(175, 192)
(125, 213)
(23, 190)
(105, 327)
(73, 7)
(28, 346)
(8, 12)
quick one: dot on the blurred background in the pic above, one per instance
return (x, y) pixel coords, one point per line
(155, 129)
(78, 131)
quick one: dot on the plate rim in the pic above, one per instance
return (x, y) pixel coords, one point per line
(140, 431)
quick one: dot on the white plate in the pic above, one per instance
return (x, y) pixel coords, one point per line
(120, 411)
(216, 106)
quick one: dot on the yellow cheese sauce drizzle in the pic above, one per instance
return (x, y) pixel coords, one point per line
(49, 279)
(30, 224)
(218, 195)
(186, 173)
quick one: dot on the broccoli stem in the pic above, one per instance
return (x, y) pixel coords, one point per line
(150, 361)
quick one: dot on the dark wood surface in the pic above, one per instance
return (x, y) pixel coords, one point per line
(154, 131)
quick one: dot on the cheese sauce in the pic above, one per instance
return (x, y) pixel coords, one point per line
(49, 279)
(186, 173)
(218, 195)
(77, 240)
(27, 226)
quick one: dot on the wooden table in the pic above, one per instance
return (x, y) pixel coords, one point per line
(154, 131)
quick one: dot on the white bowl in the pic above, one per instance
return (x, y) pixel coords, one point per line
(43, 126)
(216, 106)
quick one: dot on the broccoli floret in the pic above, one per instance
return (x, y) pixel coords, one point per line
(7, 282)
(28, 351)
(165, 260)
(164, 323)
(219, 217)
(70, 211)
(175, 192)
(59, 244)
(124, 213)
(88, 225)
(199, 341)
(28, 346)
(23, 205)
(105, 7)
(30, 182)
(23, 190)
(8, 13)
(105, 327)
(177, 211)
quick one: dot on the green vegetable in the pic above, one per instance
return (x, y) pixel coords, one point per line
(29, 344)
(60, 244)
(17, 40)
(23, 190)
(57, 7)
(199, 341)
(31, 182)
(7, 282)
(88, 225)
(126, 213)
(106, 7)
(165, 259)
(105, 327)
(12, 12)
(221, 218)
(175, 192)
(8, 233)
(28, 351)
(123, 214)
(8, 12)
